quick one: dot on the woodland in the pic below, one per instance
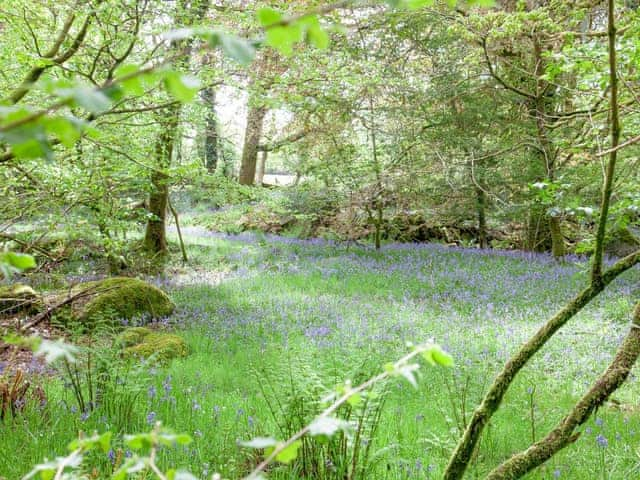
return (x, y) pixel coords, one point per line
(333, 240)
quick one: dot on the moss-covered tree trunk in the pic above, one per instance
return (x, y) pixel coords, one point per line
(155, 239)
(252, 135)
(547, 151)
(211, 130)
(564, 433)
(481, 204)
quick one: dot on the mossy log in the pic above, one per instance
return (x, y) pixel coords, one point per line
(19, 298)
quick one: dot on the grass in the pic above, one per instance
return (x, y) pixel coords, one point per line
(272, 321)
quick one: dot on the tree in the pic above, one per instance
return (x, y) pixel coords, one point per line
(155, 241)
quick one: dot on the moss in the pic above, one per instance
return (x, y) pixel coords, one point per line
(162, 346)
(18, 298)
(121, 298)
(133, 336)
(621, 242)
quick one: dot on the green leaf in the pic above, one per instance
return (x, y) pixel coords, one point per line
(284, 38)
(290, 453)
(441, 357)
(268, 16)
(354, 400)
(416, 4)
(238, 49)
(318, 37)
(20, 261)
(68, 131)
(260, 442)
(328, 426)
(182, 87)
(93, 101)
(28, 141)
(482, 3)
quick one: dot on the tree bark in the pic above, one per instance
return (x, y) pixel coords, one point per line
(548, 152)
(211, 130)
(262, 160)
(155, 239)
(253, 132)
(481, 202)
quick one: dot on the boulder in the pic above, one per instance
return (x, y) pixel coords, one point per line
(133, 336)
(142, 342)
(119, 298)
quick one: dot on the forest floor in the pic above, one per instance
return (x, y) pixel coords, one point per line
(274, 323)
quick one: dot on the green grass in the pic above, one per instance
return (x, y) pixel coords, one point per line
(271, 322)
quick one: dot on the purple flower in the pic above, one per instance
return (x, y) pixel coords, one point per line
(151, 418)
(166, 384)
(602, 441)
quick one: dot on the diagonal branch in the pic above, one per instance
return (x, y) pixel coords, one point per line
(498, 78)
(563, 435)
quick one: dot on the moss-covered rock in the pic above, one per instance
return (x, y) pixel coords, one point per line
(19, 298)
(120, 298)
(133, 336)
(162, 346)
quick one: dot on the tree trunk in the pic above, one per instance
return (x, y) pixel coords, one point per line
(481, 203)
(262, 160)
(155, 239)
(253, 132)
(558, 249)
(548, 152)
(211, 130)
(378, 222)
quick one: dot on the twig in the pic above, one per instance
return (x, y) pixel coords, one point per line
(175, 217)
(42, 316)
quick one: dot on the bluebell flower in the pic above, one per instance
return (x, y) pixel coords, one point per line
(602, 441)
(151, 418)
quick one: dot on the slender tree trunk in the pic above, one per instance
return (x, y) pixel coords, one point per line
(481, 202)
(564, 433)
(155, 238)
(548, 153)
(211, 130)
(262, 161)
(253, 132)
(493, 398)
(378, 224)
